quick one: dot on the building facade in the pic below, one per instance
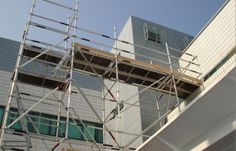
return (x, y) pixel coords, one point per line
(208, 122)
(149, 45)
(144, 41)
(49, 117)
(45, 116)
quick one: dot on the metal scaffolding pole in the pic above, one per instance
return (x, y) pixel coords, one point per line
(95, 112)
(22, 114)
(158, 107)
(70, 76)
(13, 84)
(172, 75)
(30, 119)
(62, 96)
(167, 84)
(31, 108)
(103, 109)
(143, 90)
(58, 115)
(146, 129)
(23, 121)
(117, 85)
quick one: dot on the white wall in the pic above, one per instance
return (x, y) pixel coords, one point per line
(222, 128)
(215, 41)
(211, 46)
(130, 120)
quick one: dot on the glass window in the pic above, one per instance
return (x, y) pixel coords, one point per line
(150, 33)
(99, 134)
(74, 131)
(153, 37)
(34, 117)
(47, 124)
(1, 114)
(13, 114)
(90, 129)
(62, 127)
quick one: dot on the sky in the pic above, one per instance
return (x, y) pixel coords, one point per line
(188, 16)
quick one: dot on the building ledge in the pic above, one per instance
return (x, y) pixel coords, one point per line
(213, 105)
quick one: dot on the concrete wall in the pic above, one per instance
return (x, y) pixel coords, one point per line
(130, 120)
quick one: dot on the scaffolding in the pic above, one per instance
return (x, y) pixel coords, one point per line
(68, 56)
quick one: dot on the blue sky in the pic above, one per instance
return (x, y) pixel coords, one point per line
(188, 16)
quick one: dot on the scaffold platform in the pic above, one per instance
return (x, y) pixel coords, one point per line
(131, 71)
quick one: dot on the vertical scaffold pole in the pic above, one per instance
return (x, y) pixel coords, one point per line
(71, 72)
(14, 80)
(58, 117)
(103, 108)
(172, 75)
(117, 84)
(68, 107)
(61, 96)
(158, 107)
